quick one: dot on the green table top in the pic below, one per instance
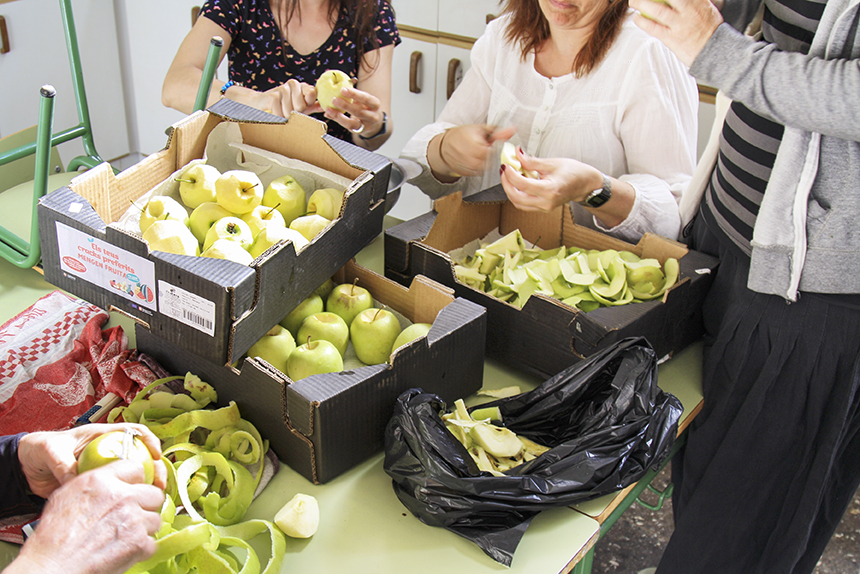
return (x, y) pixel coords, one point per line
(363, 527)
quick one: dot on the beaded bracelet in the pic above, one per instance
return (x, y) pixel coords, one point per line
(226, 87)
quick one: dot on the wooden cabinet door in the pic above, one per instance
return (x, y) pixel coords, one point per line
(467, 19)
(416, 13)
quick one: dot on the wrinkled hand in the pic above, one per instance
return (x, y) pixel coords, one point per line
(280, 101)
(364, 110)
(49, 459)
(97, 523)
(561, 180)
(683, 25)
(464, 149)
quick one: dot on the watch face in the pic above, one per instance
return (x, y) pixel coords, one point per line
(599, 199)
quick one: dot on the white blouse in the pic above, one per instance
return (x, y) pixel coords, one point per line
(634, 117)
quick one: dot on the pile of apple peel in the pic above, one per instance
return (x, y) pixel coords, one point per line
(207, 453)
(586, 279)
(495, 449)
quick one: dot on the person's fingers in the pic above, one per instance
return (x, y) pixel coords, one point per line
(501, 134)
(160, 474)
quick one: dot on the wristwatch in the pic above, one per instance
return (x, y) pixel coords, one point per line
(381, 131)
(599, 196)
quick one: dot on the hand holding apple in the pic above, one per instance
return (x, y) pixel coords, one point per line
(117, 445)
(329, 86)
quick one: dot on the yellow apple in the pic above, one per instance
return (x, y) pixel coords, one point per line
(326, 202)
(231, 228)
(117, 445)
(272, 236)
(329, 86)
(203, 217)
(509, 157)
(162, 207)
(261, 217)
(238, 191)
(197, 184)
(310, 225)
(227, 249)
(171, 236)
(287, 196)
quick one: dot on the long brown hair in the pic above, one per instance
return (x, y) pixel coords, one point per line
(529, 28)
(362, 12)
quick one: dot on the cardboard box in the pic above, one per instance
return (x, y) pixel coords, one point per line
(214, 308)
(323, 425)
(546, 336)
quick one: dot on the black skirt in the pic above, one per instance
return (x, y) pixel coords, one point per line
(773, 459)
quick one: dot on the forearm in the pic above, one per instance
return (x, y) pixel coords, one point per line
(789, 87)
(16, 499)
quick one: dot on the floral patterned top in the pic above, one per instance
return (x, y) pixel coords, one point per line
(257, 58)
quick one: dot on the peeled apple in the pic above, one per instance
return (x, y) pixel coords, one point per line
(300, 517)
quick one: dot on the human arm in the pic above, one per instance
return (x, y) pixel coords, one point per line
(794, 89)
(182, 80)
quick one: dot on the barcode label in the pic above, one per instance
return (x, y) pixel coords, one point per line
(186, 307)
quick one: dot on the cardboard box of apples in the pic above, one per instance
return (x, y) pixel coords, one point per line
(550, 307)
(94, 244)
(328, 412)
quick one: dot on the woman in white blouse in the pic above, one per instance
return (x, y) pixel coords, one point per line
(603, 112)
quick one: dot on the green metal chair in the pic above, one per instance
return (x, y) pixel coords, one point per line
(208, 73)
(13, 247)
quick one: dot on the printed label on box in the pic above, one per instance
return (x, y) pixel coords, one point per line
(107, 266)
(187, 307)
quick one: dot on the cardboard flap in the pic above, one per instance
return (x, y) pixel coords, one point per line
(449, 232)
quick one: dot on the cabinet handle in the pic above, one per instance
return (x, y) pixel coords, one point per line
(453, 73)
(4, 36)
(195, 12)
(414, 60)
(491, 17)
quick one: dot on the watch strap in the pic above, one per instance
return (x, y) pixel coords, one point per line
(599, 196)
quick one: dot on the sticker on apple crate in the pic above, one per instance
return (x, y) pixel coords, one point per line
(186, 307)
(102, 264)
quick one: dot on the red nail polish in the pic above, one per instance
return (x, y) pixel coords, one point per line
(502, 169)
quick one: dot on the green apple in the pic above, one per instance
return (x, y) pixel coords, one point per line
(162, 207)
(310, 225)
(326, 326)
(288, 196)
(232, 228)
(261, 217)
(203, 217)
(117, 445)
(410, 333)
(324, 289)
(238, 191)
(227, 249)
(270, 236)
(314, 358)
(197, 184)
(275, 347)
(171, 236)
(327, 202)
(329, 86)
(373, 332)
(311, 304)
(348, 300)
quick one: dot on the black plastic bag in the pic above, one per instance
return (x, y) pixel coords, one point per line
(605, 419)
